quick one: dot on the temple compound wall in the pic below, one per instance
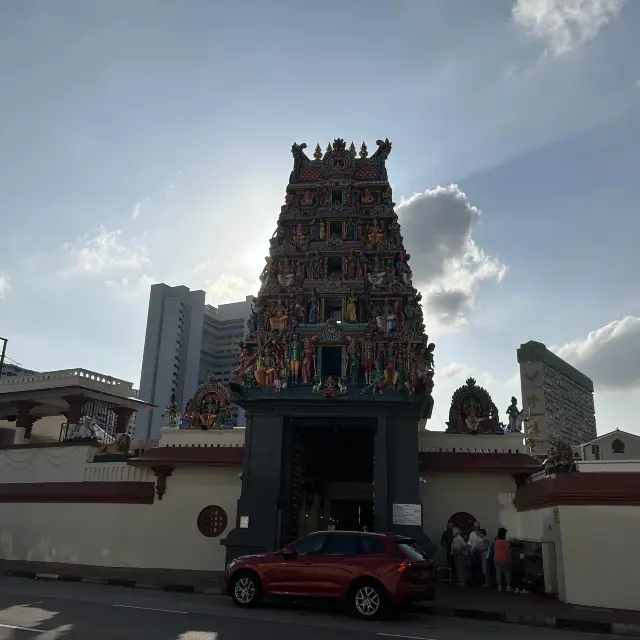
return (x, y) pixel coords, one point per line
(589, 522)
(63, 510)
(61, 504)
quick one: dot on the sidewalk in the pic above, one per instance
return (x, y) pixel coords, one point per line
(488, 604)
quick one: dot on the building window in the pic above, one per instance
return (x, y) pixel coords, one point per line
(595, 451)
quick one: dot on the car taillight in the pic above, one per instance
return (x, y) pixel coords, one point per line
(405, 565)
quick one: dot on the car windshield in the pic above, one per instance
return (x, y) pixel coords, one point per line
(412, 551)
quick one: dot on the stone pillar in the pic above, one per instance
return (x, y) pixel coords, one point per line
(260, 501)
(382, 515)
(123, 418)
(74, 412)
(403, 471)
(24, 419)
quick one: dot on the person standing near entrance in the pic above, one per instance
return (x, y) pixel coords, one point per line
(445, 541)
(460, 553)
(502, 559)
(476, 544)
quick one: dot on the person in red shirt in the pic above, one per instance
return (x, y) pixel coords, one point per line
(502, 559)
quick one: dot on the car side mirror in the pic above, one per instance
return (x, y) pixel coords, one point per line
(289, 553)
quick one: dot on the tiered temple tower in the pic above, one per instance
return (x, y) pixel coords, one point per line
(337, 306)
(336, 333)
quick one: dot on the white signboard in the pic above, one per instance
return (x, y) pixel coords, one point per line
(407, 514)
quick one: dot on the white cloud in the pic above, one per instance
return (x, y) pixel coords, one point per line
(5, 285)
(564, 25)
(136, 287)
(103, 251)
(452, 369)
(227, 288)
(139, 206)
(610, 356)
(448, 266)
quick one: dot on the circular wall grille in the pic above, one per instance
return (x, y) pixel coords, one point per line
(212, 521)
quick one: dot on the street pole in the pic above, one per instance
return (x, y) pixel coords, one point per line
(4, 350)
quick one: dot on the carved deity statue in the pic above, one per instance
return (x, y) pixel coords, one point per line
(390, 367)
(295, 358)
(352, 308)
(472, 418)
(314, 309)
(351, 266)
(513, 412)
(300, 236)
(375, 233)
(367, 198)
(309, 360)
(353, 362)
(307, 198)
(171, 413)
(368, 356)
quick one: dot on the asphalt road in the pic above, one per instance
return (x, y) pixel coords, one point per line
(33, 610)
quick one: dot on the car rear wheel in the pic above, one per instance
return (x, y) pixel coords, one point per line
(368, 601)
(245, 590)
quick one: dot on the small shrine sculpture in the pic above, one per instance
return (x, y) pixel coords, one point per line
(209, 407)
(473, 411)
(337, 309)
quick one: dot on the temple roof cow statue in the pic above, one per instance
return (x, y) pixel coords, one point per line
(337, 305)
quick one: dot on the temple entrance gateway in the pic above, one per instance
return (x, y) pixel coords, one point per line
(332, 460)
(336, 369)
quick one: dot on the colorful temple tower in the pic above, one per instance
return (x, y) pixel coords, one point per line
(336, 337)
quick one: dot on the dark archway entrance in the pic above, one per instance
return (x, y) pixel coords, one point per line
(464, 521)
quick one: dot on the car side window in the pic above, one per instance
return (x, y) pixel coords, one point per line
(369, 545)
(308, 546)
(341, 545)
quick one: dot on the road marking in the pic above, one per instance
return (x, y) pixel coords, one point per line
(130, 606)
(397, 635)
(12, 626)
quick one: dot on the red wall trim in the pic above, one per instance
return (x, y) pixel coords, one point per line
(580, 489)
(78, 492)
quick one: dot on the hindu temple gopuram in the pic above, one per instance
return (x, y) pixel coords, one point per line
(336, 369)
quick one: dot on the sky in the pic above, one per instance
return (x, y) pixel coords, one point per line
(149, 141)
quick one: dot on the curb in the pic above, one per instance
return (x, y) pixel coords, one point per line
(553, 622)
(115, 582)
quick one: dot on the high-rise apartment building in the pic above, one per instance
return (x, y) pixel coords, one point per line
(186, 342)
(559, 396)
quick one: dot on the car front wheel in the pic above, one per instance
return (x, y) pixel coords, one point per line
(368, 601)
(245, 590)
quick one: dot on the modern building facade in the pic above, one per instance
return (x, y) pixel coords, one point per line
(223, 327)
(186, 341)
(559, 397)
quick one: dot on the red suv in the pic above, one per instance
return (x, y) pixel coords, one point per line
(371, 572)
